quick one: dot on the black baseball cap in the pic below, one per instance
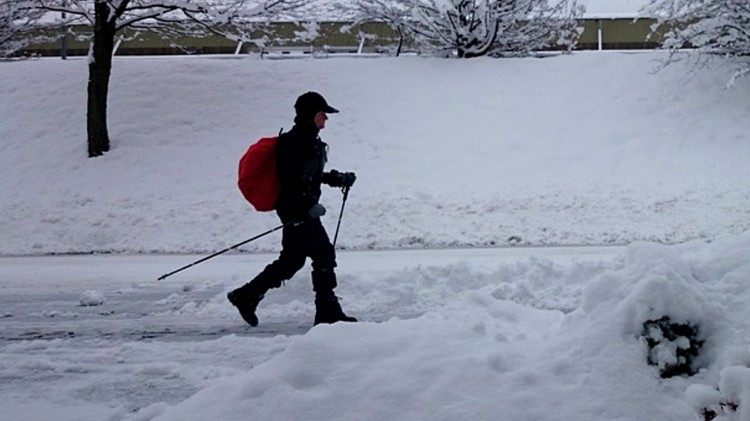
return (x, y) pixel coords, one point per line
(311, 103)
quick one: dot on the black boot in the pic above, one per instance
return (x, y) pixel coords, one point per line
(247, 297)
(328, 310)
(246, 304)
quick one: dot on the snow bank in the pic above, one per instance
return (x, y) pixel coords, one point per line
(483, 357)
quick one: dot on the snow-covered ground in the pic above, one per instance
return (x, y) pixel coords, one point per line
(457, 157)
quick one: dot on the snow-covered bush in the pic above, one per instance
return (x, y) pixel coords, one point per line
(673, 347)
(659, 303)
(473, 28)
(466, 26)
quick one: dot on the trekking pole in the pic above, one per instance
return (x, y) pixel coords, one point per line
(225, 250)
(338, 225)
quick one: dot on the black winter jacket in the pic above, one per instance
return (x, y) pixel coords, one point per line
(300, 160)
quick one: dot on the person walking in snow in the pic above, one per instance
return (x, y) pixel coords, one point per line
(300, 160)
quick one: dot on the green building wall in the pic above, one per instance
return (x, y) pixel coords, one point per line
(605, 33)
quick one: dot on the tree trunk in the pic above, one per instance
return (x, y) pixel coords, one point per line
(100, 68)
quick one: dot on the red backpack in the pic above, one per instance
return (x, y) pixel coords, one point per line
(258, 180)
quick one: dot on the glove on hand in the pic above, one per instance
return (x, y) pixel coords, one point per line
(339, 179)
(316, 211)
(348, 179)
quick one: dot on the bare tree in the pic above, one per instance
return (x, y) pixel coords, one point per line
(714, 28)
(18, 20)
(109, 17)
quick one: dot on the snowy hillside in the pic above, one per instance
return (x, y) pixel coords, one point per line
(583, 149)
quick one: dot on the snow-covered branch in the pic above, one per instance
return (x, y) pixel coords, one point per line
(714, 28)
(392, 13)
(169, 16)
(18, 19)
(532, 25)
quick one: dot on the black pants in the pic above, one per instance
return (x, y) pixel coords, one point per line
(308, 239)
